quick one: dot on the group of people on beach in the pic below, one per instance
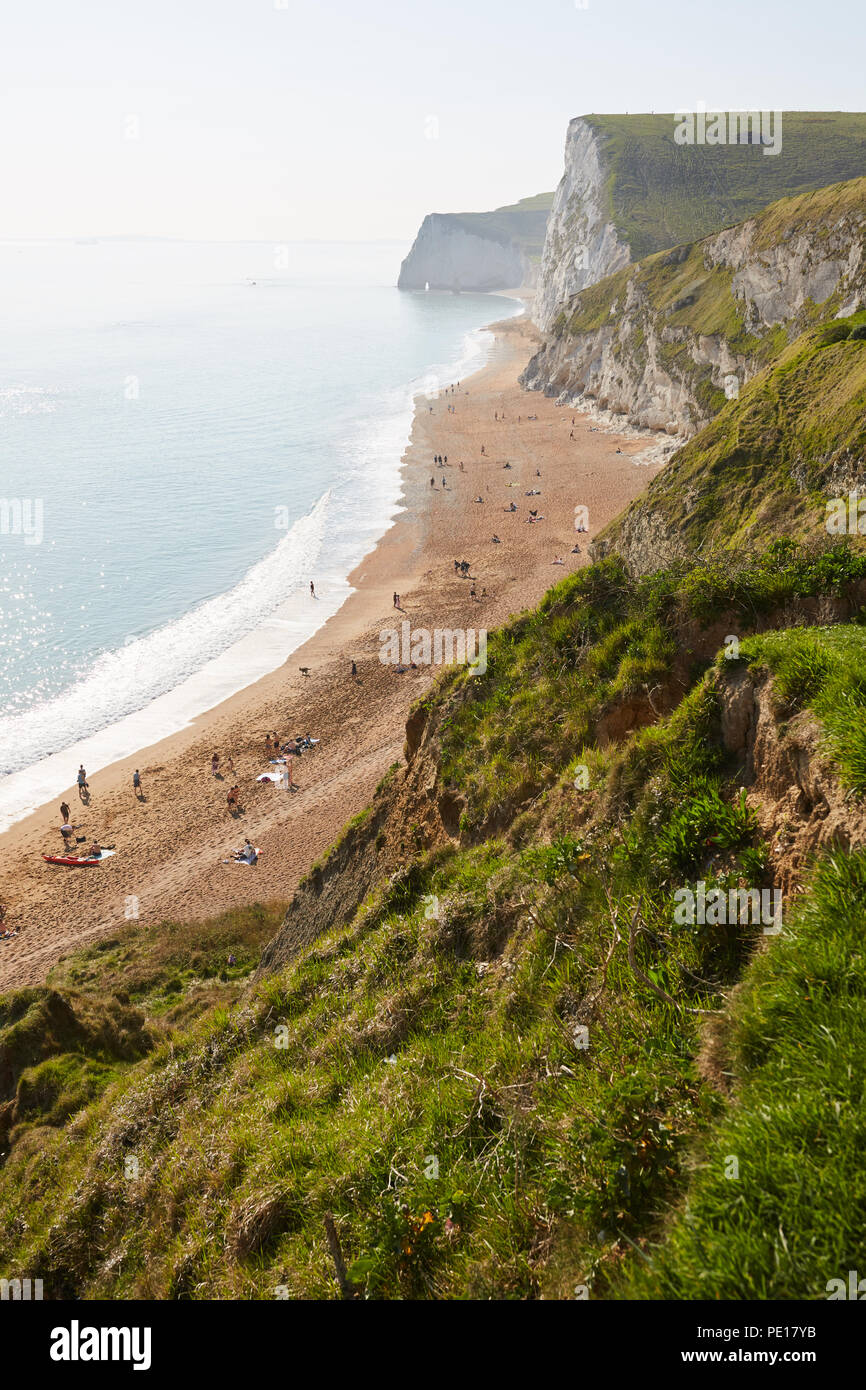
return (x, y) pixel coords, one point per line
(69, 837)
(215, 765)
(535, 515)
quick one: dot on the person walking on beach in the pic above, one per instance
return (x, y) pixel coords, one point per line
(64, 812)
(136, 785)
(82, 782)
(312, 589)
(215, 765)
(354, 671)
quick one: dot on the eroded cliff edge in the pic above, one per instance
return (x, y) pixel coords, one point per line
(665, 343)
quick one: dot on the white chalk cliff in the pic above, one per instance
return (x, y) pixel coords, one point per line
(666, 375)
(496, 250)
(448, 257)
(582, 244)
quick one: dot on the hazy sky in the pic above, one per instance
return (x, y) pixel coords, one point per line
(288, 119)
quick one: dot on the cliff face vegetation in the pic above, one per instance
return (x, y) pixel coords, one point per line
(576, 1008)
(629, 189)
(665, 343)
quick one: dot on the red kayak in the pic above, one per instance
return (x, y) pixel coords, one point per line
(76, 861)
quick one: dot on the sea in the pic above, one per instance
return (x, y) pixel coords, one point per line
(189, 434)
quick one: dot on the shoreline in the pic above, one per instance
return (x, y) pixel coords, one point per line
(250, 655)
(170, 847)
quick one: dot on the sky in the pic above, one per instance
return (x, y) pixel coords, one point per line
(289, 120)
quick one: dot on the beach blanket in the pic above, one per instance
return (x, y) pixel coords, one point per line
(248, 863)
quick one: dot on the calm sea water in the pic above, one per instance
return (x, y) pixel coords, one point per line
(189, 434)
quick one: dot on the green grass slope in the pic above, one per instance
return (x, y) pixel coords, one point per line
(491, 1075)
(770, 462)
(778, 1198)
(662, 194)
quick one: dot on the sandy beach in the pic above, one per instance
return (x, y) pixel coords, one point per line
(171, 845)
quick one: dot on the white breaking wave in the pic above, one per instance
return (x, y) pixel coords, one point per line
(125, 680)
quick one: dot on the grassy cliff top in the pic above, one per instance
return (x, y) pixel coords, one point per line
(522, 223)
(662, 194)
